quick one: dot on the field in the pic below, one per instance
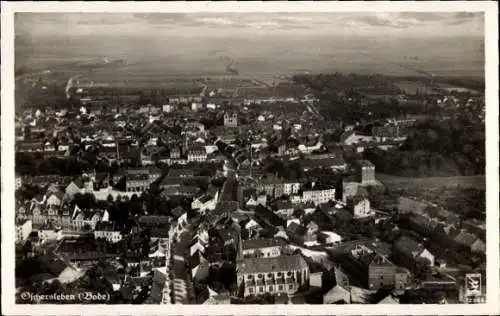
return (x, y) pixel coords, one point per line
(261, 58)
(179, 63)
(395, 182)
(410, 87)
(451, 88)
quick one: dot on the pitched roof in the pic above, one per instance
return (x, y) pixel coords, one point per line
(262, 243)
(276, 264)
(408, 246)
(389, 299)
(296, 229)
(465, 238)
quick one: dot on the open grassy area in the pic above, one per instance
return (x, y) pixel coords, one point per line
(397, 182)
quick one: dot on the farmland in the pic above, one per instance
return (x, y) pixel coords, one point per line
(395, 182)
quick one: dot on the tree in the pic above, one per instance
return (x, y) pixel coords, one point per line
(421, 269)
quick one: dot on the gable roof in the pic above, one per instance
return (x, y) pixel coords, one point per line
(262, 243)
(296, 229)
(408, 246)
(273, 264)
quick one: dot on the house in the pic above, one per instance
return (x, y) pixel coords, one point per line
(231, 119)
(263, 247)
(75, 187)
(301, 234)
(55, 199)
(329, 238)
(406, 252)
(177, 212)
(359, 206)
(101, 180)
(375, 270)
(273, 275)
(312, 228)
(137, 182)
(290, 188)
(252, 227)
(199, 266)
(469, 241)
(197, 154)
(175, 153)
(284, 209)
(221, 299)
(108, 231)
(478, 246)
(85, 219)
(198, 244)
(204, 203)
(337, 295)
(23, 229)
(389, 300)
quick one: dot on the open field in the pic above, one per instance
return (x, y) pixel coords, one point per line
(395, 182)
(412, 87)
(451, 88)
(262, 58)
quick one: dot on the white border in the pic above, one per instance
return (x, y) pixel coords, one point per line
(7, 92)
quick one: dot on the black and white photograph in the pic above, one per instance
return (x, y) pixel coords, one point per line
(250, 157)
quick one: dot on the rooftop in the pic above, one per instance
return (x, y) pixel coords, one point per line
(262, 243)
(276, 264)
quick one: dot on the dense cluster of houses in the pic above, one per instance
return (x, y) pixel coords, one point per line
(240, 213)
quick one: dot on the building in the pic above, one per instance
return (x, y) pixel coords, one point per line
(75, 187)
(55, 199)
(85, 219)
(205, 203)
(273, 275)
(284, 209)
(197, 154)
(108, 231)
(329, 238)
(318, 196)
(23, 229)
(407, 252)
(290, 188)
(375, 270)
(337, 295)
(359, 206)
(365, 171)
(231, 119)
(199, 266)
(19, 182)
(263, 247)
(301, 234)
(137, 183)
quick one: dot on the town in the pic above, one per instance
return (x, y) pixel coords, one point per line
(256, 195)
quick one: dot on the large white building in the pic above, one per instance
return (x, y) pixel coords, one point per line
(318, 196)
(107, 231)
(197, 154)
(273, 275)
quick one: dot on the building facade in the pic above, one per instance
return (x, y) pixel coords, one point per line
(275, 275)
(318, 196)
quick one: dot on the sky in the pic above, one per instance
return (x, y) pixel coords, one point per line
(407, 24)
